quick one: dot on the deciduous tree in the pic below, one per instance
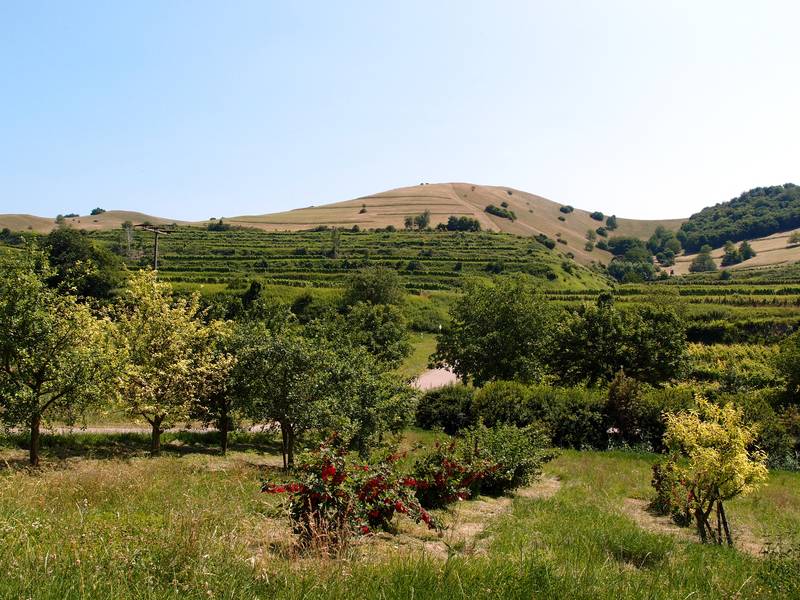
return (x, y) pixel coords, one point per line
(167, 353)
(54, 353)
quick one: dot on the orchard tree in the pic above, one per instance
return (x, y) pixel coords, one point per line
(218, 402)
(500, 330)
(54, 353)
(373, 402)
(710, 462)
(167, 352)
(381, 329)
(284, 378)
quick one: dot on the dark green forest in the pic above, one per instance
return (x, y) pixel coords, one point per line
(757, 213)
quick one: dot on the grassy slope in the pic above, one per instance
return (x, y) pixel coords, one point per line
(772, 250)
(194, 525)
(535, 214)
(112, 219)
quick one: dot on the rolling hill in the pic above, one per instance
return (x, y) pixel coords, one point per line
(535, 215)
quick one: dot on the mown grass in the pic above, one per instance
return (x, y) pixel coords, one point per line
(423, 345)
(195, 525)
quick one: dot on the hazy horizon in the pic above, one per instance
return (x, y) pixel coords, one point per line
(642, 110)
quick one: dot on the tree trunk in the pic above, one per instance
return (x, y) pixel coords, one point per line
(728, 537)
(285, 445)
(701, 524)
(223, 430)
(36, 424)
(155, 440)
(290, 449)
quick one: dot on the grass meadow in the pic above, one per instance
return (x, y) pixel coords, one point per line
(101, 520)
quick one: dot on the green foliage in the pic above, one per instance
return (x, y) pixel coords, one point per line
(703, 262)
(593, 342)
(510, 457)
(566, 209)
(611, 223)
(757, 213)
(375, 285)
(167, 353)
(79, 265)
(483, 342)
(597, 215)
(463, 224)
(787, 364)
(381, 329)
(54, 353)
(448, 408)
(218, 226)
(499, 211)
(97, 211)
(711, 464)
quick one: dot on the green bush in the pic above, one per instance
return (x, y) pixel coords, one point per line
(448, 408)
(511, 457)
(502, 402)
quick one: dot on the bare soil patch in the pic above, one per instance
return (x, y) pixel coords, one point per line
(635, 508)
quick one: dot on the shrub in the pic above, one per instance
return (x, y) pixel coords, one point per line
(443, 476)
(507, 457)
(501, 402)
(566, 209)
(597, 215)
(712, 462)
(500, 211)
(448, 408)
(573, 417)
(334, 500)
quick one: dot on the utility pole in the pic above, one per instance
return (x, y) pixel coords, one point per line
(156, 232)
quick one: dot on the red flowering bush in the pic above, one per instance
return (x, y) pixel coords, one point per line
(335, 499)
(446, 475)
(488, 461)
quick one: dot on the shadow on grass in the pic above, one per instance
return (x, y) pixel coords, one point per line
(106, 445)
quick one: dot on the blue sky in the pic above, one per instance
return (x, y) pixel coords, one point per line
(197, 109)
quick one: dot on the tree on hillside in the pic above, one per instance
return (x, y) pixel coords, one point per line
(500, 330)
(710, 462)
(746, 251)
(167, 352)
(54, 354)
(375, 285)
(731, 255)
(592, 344)
(80, 266)
(703, 261)
(422, 221)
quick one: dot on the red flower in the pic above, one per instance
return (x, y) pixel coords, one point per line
(364, 529)
(328, 472)
(374, 513)
(274, 489)
(398, 506)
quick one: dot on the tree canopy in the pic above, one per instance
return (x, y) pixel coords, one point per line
(54, 353)
(756, 213)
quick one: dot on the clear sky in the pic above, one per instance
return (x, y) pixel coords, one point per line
(189, 110)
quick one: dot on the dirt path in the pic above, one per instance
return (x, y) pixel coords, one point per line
(636, 509)
(468, 521)
(435, 378)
